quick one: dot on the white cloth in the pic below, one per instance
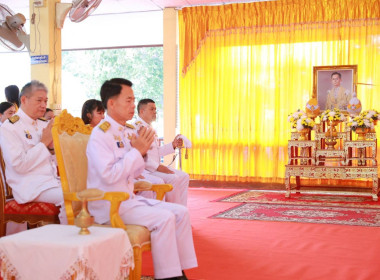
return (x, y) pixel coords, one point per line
(59, 252)
(112, 166)
(179, 180)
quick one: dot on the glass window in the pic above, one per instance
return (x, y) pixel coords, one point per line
(84, 71)
(14, 70)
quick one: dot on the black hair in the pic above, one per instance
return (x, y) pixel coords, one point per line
(112, 88)
(48, 110)
(88, 107)
(143, 102)
(5, 106)
(336, 73)
(12, 94)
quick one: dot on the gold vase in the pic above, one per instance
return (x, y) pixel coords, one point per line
(374, 124)
(331, 135)
(84, 220)
(361, 132)
(304, 134)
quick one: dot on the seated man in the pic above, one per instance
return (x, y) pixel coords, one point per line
(146, 110)
(26, 142)
(115, 159)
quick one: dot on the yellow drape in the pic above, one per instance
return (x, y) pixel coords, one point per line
(245, 67)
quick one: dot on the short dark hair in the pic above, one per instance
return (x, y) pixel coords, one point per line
(112, 88)
(88, 107)
(142, 103)
(12, 94)
(48, 110)
(5, 106)
(336, 73)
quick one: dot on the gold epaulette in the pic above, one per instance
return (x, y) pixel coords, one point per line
(14, 118)
(105, 126)
(43, 119)
(129, 126)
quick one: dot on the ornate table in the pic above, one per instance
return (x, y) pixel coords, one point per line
(362, 147)
(330, 172)
(59, 252)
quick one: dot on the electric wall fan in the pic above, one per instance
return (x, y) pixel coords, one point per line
(79, 10)
(12, 31)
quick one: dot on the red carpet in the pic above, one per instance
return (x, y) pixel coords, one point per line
(305, 208)
(238, 249)
(317, 199)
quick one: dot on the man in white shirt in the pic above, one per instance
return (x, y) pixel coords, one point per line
(115, 159)
(147, 114)
(27, 146)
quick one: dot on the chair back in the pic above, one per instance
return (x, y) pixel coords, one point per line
(70, 136)
(6, 189)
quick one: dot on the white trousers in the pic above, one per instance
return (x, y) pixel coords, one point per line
(152, 179)
(171, 236)
(180, 182)
(54, 196)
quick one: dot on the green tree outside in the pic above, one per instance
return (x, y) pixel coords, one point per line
(143, 66)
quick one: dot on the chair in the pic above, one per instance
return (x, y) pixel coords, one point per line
(33, 213)
(70, 136)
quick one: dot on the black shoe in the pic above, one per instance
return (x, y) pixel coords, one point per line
(183, 277)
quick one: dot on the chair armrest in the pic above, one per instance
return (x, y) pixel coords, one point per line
(161, 190)
(114, 197)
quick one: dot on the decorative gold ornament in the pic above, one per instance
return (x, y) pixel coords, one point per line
(84, 220)
(374, 124)
(361, 132)
(304, 133)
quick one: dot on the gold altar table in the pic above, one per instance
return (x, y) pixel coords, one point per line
(331, 172)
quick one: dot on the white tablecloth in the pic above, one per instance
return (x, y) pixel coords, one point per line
(59, 252)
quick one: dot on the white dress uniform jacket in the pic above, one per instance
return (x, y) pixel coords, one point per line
(179, 180)
(30, 168)
(113, 164)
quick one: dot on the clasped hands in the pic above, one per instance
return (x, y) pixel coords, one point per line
(144, 140)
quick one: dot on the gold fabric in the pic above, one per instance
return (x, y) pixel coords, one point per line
(245, 67)
(75, 160)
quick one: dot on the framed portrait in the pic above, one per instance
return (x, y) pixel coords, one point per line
(333, 86)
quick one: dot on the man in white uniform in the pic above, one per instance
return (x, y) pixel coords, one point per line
(27, 146)
(115, 159)
(147, 112)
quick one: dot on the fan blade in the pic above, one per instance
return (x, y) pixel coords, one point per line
(82, 9)
(8, 37)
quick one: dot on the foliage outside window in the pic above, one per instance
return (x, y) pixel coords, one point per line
(84, 71)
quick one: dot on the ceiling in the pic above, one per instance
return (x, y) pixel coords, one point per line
(127, 6)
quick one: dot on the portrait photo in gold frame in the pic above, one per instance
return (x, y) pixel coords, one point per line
(333, 86)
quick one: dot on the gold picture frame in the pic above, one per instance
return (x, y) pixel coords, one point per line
(332, 91)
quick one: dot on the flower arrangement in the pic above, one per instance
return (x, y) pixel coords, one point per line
(360, 121)
(332, 115)
(304, 122)
(294, 117)
(371, 114)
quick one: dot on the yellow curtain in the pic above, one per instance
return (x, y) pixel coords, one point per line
(245, 67)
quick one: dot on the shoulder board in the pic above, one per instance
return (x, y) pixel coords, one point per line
(105, 126)
(43, 119)
(138, 122)
(129, 126)
(14, 119)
